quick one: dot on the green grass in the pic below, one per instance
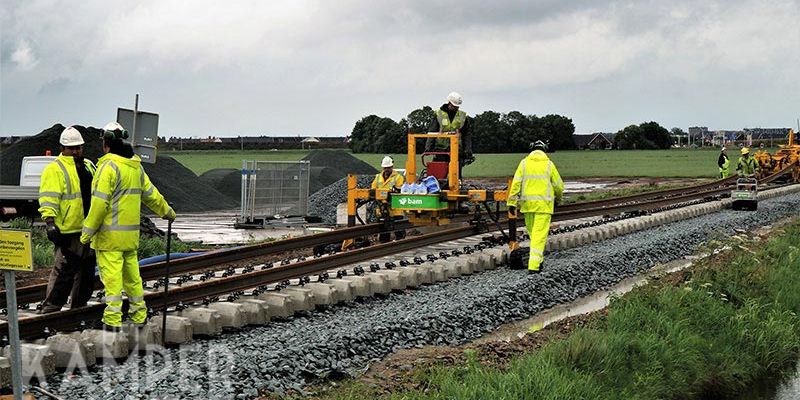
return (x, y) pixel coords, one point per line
(617, 163)
(43, 249)
(730, 324)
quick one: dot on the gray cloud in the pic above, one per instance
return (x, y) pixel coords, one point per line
(315, 67)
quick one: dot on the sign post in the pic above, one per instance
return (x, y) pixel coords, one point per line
(144, 130)
(16, 254)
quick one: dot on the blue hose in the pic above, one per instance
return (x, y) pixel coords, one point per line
(163, 257)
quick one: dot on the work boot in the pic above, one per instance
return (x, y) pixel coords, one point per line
(536, 271)
(48, 308)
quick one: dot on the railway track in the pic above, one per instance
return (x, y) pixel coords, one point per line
(34, 326)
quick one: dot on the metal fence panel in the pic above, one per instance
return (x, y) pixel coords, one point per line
(274, 188)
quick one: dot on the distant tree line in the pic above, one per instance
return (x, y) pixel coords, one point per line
(491, 132)
(647, 135)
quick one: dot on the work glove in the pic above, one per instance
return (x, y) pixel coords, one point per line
(53, 233)
(170, 215)
(512, 210)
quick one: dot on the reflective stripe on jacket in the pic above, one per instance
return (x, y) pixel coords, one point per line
(747, 166)
(394, 180)
(60, 193)
(447, 125)
(118, 190)
(536, 185)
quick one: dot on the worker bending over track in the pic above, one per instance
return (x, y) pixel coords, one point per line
(119, 188)
(535, 189)
(64, 197)
(747, 165)
(391, 180)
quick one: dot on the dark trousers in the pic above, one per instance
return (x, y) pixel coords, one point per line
(72, 273)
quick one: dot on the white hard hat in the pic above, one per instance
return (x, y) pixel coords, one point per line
(455, 99)
(114, 129)
(71, 137)
(387, 162)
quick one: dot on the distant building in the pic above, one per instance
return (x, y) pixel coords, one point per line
(700, 135)
(594, 141)
(767, 133)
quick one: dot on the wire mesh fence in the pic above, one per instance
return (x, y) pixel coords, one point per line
(274, 189)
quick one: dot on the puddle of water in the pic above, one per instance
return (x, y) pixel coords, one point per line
(217, 229)
(582, 187)
(772, 390)
(594, 302)
(790, 390)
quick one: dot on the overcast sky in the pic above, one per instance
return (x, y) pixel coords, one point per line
(315, 67)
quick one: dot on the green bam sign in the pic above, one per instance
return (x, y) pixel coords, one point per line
(417, 201)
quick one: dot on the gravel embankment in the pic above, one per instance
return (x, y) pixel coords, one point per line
(344, 339)
(323, 203)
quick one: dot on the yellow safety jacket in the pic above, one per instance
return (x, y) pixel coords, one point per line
(448, 125)
(747, 166)
(394, 180)
(118, 189)
(723, 170)
(60, 193)
(536, 185)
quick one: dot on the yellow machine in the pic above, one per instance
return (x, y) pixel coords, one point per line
(786, 155)
(432, 208)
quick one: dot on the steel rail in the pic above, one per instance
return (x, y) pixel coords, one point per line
(650, 195)
(33, 326)
(34, 293)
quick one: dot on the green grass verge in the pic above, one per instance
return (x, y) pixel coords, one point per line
(43, 249)
(691, 163)
(731, 323)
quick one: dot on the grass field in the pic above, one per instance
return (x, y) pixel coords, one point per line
(617, 163)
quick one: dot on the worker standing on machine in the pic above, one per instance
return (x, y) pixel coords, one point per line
(119, 188)
(723, 162)
(64, 198)
(747, 165)
(391, 180)
(535, 189)
(449, 118)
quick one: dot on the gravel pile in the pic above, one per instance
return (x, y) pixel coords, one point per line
(323, 203)
(343, 340)
(329, 166)
(227, 181)
(177, 183)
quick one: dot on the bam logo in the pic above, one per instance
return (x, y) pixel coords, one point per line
(403, 201)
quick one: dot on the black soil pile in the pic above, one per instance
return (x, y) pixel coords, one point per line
(178, 184)
(11, 158)
(227, 181)
(329, 166)
(181, 186)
